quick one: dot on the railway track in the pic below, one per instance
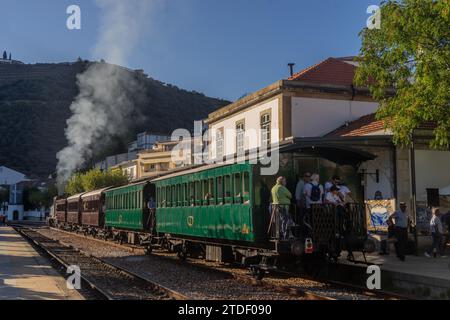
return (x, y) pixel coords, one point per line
(280, 281)
(103, 280)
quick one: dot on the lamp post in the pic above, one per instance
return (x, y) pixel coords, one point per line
(412, 151)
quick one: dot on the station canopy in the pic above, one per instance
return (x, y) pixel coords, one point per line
(342, 153)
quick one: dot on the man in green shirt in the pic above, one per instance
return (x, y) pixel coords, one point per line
(280, 194)
(281, 201)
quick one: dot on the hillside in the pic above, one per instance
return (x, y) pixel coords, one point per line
(35, 104)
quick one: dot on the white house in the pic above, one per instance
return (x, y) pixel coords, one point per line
(12, 179)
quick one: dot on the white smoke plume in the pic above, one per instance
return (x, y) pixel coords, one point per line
(105, 100)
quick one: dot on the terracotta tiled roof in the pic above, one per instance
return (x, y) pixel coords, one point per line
(367, 125)
(360, 127)
(330, 71)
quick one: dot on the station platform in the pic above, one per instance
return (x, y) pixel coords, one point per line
(418, 276)
(25, 275)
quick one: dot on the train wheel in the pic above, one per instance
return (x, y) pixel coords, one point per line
(182, 255)
(257, 273)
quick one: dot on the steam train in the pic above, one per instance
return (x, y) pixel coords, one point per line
(218, 212)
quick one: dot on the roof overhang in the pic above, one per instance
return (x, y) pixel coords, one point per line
(342, 150)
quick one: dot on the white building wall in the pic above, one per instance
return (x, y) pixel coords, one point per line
(131, 171)
(385, 165)
(316, 117)
(432, 171)
(12, 209)
(252, 121)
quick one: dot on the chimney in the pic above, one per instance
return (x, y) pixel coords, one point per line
(291, 68)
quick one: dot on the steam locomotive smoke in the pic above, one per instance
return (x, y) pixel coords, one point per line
(104, 103)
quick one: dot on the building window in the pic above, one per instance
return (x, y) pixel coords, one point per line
(219, 143)
(265, 130)
(240, 138)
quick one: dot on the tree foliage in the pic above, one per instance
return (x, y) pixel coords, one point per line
(95, 179)
(410, 55)
(34, 198)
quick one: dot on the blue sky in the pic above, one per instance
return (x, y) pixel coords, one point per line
(223, 48)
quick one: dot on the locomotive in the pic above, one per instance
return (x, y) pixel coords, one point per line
(220, 213)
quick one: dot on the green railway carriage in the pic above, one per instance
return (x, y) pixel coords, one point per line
(126, 207)
(213, 202)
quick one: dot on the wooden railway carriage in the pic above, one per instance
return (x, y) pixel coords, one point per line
(60, 207)
(93, 210)
(74, 210)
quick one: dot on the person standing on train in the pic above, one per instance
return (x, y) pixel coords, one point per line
(300, 195)
(281, 200)
(332, 197)
(313, 192)
(335, 181)
(400, 220)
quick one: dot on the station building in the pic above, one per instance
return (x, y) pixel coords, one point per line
(12, 182)
(321, 122)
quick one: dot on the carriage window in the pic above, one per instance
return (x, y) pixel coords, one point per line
(179, 196)
(169, 196)
(205, 193)
(228, 191)
(238, 188)
(220, 190)
(198, 193)
(185, 195)
(174, 196)
(237, 185)
(246, 188)
(164, 197)
(191, 190)
(211, 189)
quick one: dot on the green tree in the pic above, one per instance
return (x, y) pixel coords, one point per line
(405, 64)
(4, 194)
(95, 179)
(75, 184)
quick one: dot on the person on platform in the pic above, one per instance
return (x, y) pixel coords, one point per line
(437, 232)
(281, 200)
(400, 221)
(447, 224)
